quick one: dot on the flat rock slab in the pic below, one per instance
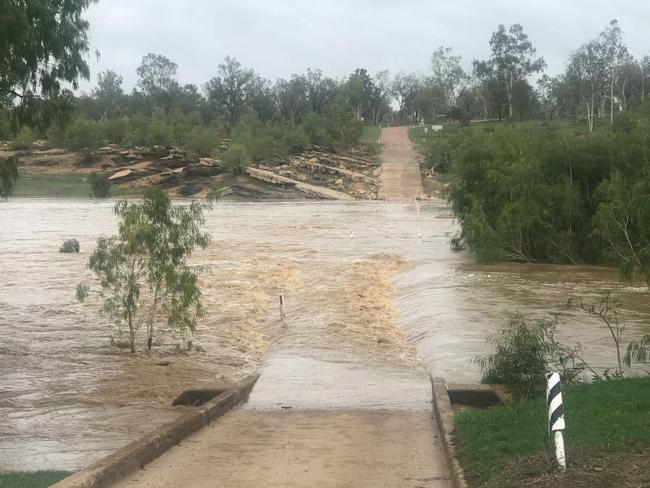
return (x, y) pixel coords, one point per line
(304, 449)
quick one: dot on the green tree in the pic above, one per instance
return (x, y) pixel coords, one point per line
(145, 280)
(157, 80)
(320, 90)
(227, 92)
(447, 73)
(42, 47)
(511, 63)
(235, 159)
(84, 136)
(109, 94)
(24, 140)
(100, 185)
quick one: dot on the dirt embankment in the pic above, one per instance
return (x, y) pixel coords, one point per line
(314, 174)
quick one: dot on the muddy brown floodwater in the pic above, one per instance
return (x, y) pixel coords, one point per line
(369, 282)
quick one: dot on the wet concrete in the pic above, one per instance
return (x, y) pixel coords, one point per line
(308, 448)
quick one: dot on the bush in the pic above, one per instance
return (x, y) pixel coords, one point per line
(519, 360)
(315, 128)
(55, 136)
(84, 136)
(5, 125)
(259, 139)
(69, 246)
(235, 159)
(158, 134)
(8, 177)
(116, 130)
(100, 185)
(201, 142)
(24, 140)
(293, 139)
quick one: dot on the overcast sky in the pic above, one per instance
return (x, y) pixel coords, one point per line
(281, 37)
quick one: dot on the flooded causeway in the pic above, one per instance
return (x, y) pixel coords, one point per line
(365, 282)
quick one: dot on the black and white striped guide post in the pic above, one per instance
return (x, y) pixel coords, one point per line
(556, 416)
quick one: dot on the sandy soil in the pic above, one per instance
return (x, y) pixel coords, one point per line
(304, 449)
(400, 177)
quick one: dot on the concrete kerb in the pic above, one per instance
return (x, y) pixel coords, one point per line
(134, 456)
(445, 417)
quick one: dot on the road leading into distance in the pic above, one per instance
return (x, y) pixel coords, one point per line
(400, 176)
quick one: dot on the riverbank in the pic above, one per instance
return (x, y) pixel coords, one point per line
(37, 479)
(607, 439)
(315, 173)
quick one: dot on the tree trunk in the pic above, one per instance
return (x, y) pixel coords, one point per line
(642, 84)
(611, 100)
(131, 334)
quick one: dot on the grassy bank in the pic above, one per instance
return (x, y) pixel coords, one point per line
(38, 479)
(57, 186)
(603, 419)
(370, 134)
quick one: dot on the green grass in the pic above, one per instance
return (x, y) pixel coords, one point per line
(69, 185)
(38, 479)
(370, 134)
(57, 186)
(610, 416)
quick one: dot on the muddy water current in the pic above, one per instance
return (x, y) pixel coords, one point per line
(373, 284)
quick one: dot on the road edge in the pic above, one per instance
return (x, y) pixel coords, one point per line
(138, 453)
(444, 415)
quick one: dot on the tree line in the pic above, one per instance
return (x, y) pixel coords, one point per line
(601, 78)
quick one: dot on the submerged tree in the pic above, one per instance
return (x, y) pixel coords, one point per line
(143, 271)
(8, 177)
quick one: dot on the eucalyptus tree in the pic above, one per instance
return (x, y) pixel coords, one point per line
(109, 95)
(587, 72)
(291, 98)
(615, 57)
(157, 80)
(405, 88)
(321, 90)
(511, 63)
(259, 97)
(42, 48)
(380, 95)
(227, 91)
(447, 74)
(143, 272)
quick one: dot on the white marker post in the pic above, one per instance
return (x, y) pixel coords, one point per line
(283, 316)
(556, 416)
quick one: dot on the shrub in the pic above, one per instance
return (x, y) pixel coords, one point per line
(201, 142)
(24, 140)
(235, 159)
(84, 136)
(519, 360)
(315, 128)
(116, 130)
(55, 136)
(5, 125)
(69, 246)
(293, 139)
(158, 134)
(100, 185)
(8, 177)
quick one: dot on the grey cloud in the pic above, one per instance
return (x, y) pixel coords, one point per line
(281, 37)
